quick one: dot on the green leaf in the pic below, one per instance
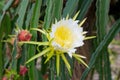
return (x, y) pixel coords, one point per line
(104, 43)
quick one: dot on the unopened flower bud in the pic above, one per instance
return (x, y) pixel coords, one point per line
(24, 35)
(23, 70)
(4, 78)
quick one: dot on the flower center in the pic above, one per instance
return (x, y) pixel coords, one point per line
(63, 36)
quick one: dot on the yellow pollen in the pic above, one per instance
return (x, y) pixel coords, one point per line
(63, 36)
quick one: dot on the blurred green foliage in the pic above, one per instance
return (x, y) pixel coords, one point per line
(26, 14)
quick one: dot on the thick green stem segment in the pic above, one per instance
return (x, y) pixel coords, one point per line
(6, 7)
(104, 43)
(21, 13)
(1, 61)
(102, 17)
(33, 73)
(84, 8)
(58, 64)
(14, 59)
(70, 8)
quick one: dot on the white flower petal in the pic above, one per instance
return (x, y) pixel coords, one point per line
(70, 54)
(67, 35)
(71, 51)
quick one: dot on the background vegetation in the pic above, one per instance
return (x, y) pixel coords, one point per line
(102, 21)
